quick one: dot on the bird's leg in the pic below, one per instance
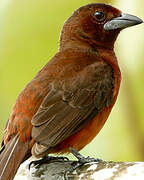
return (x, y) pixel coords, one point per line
(47, 159)
(81, 160)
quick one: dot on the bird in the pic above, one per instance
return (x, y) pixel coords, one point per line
(69, 100)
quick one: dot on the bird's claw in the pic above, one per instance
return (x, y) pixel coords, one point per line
(89, 159)
(47, 159)
(81, 160)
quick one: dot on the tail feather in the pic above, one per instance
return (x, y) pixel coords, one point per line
(11, 156)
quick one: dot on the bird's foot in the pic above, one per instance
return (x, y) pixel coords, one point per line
(81, 161)
(47, 159)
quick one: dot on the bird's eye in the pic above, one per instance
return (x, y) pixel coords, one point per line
(99, 16)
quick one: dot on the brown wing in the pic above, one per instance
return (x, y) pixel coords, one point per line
(72, 103)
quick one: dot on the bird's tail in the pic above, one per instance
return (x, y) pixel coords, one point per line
(11, 156)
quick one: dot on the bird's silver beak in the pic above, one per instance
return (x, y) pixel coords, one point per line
(124, 21)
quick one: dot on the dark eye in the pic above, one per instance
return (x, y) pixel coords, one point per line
(99, 16)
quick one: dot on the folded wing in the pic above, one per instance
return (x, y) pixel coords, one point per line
(71, 103)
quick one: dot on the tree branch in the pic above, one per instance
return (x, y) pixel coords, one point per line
(90, 171)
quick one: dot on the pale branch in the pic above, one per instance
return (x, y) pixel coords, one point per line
(91, 171)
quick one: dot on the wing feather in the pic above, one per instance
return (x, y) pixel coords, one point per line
(66, 109)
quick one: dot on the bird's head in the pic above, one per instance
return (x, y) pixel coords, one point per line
(95, 25)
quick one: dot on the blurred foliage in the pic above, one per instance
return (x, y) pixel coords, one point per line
(29, 37)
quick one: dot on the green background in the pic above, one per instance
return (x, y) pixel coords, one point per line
(29, 37)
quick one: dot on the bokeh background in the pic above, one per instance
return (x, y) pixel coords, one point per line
(29, 37)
